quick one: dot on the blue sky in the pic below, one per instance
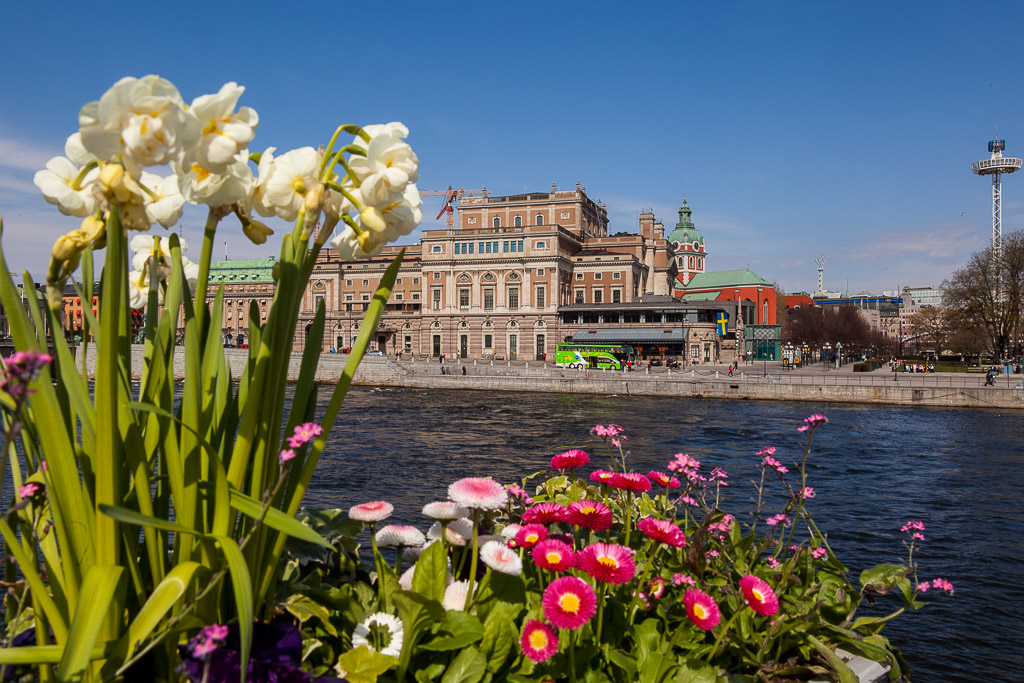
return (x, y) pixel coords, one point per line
(794, 129)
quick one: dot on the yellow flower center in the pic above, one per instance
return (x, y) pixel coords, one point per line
(588, 510)
(608, 562)
(538, 639)
(758, 595)
(553, 558)
(569, 603)
(299, 186)
(532, 538)
(699, 611)
(201, 173)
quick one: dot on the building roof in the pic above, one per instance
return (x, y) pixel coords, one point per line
(685, 232)
(236, 272)
(637, 335)
(723, 279)
(701, 296)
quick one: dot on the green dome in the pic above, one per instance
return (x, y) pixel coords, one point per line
(685, 232)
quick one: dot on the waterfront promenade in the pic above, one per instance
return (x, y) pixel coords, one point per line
(756, 381)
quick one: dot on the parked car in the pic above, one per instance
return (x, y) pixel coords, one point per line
(655, 362)
(375, 352)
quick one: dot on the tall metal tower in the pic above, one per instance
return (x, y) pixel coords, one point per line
(820, 260)
(996, 166)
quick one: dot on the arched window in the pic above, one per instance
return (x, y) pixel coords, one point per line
(764, 315)
(540, 219)
(700, 263)
(497, 222)
(518, 221)
(691, 262)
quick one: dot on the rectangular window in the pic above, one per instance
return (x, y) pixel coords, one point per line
(398, 281)
(408, 342)
(616, 296)
(365, 283)
(579, 276)
(579, 295)
(464, 297)
(616, 276)
(471, 247)
(495, 247)
(513, 297)
(541, 245)
(540, 271)
(398, 297)
(348, 308)
(489, 299)
(348, 296)
(365, 306)
(348, 283)
(458, 248)
(437, 276)
(415, 280)
(519, 246)
(488, 246)
(598, 296)
(597, 276)
(504, 246)
(541, 292)
(316, 303)
(488, 341)
(415, 296)
(694, 351)
(437, 300)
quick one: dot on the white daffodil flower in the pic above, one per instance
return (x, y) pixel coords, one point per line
(225, 132)
(56, 182)
(138, 290)
(199, 186)
(76, 151)
(144, 119)
(294, 174)
(348, 247)
(257, 201)
(389, 165)
(166, 208)
(142, 246)
(403, 214)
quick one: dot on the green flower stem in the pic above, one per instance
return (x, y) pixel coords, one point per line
(472, 562)
(635, 603)
(600, 612)
(629, 515)
(206, 255)
(721, 635)
(76, 184)
(345, 193)
(572, 657)
(377, 562)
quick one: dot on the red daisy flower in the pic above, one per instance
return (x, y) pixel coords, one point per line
(663, 480)
(569, 460)
(590, 515)
(530, 535)
(601, 476)
(759, 595)
(569, 602)
(546, 513)
(631, 481)
(607, 562)
(553, 555)
(663, 531)
(701, 609)
(539, 641)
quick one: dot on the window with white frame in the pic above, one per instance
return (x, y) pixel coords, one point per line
(496, 222)
(540, 219)
(513, 298)
(463, 297)
(517, 221)
(436, 305)
(488, 298)
(541, 296)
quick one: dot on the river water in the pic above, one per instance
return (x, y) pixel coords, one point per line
(873, 468)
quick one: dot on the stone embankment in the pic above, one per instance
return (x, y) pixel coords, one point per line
(769, 382)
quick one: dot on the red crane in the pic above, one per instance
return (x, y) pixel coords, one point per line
(450, 198)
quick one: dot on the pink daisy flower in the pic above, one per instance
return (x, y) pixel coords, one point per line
(663, 480)
(607, 562)
(601, 476)
(923, 586)
(590, 515)
(530, 535)
(807, 492)
(663, 531)
(569, 602)
(776, 519)
(913, 525)
(942, 584)
(400, 535)
(818, 553)
(376, 511)
(657, 587)
(569, 460)
(480, 493)
(539, 641)
(28, 490)
(772, 562)
(286, 455)
(445, 511)
(681, 579)
(546, 513)
(553, 555)
(815, 420)
(759, 595)
(631, 481)
(501, 558)
(701, 609)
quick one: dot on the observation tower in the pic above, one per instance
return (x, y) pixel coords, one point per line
(996, 166)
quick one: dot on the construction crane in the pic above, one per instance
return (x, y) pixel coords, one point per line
(451, 197)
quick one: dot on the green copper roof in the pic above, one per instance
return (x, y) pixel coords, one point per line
(723, 279)
(685, 232)
(251, 270)
(701, 296)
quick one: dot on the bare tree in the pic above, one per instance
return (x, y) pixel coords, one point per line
(986, 295)
(931, 322)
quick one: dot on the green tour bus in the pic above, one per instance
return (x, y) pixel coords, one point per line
(600, 356)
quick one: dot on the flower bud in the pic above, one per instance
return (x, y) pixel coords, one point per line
(367, 240)
(65, 247)
(133, 217)
(314, 200)
(372, 220)
(92, 227)
(256, 231)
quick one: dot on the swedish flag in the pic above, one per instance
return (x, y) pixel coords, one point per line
(723, 324)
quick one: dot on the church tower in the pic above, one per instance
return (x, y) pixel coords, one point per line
(688, 243)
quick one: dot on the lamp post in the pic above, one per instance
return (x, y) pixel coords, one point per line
(789, 355)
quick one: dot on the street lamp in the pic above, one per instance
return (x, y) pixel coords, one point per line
(789, 355)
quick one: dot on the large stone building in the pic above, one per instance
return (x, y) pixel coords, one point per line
(516, 276)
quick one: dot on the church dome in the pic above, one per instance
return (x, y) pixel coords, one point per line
(685, 234)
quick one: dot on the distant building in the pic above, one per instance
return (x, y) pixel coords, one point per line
(246, 282)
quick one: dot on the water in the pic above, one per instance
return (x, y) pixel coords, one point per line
(873, 468)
